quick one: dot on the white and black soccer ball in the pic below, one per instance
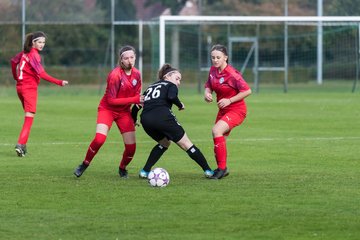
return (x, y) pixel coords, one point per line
(158, 177)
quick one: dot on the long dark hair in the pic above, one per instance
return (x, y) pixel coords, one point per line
(165, 69)
(30, 38)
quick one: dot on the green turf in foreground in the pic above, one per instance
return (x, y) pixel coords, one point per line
(294, 174)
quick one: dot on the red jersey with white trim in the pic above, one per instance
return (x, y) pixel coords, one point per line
(227, 84)
(120, 85)
(30, 68)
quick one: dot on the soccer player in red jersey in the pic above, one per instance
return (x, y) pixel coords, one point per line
(27, 70)
(123, 89)
(231, 90)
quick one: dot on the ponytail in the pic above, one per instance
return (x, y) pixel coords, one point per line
(165, 69)
(30, 38)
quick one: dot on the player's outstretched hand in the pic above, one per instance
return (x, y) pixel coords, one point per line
(64, 83)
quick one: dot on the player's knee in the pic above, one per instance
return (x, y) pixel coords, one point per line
(185, 143)
(99, 139)
(165, 142)
(216, 132)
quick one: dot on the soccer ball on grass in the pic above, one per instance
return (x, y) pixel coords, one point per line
(158, 177)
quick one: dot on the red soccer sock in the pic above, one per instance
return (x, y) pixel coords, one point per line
(94, 147)
(128, 155)
(25, 131)
(220, 151)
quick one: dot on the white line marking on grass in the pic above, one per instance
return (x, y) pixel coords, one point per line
(296, 139)
(207, 140)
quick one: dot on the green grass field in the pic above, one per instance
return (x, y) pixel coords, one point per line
(294, 172)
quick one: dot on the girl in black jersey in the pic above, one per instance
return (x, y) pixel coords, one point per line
(160, 123)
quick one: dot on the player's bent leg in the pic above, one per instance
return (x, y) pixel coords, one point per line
(184, 143)
(165, 142)
(220, 128)
(155, 154)
(93, 148)
(196, 155)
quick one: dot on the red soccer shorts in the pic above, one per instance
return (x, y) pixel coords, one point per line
(232, 119)
(123, 120)
(28, 99)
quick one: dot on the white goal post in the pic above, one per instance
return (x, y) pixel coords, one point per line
(317, 21)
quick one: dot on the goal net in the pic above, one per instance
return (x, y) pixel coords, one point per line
(268, 50)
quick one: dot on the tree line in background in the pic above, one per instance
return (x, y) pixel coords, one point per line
(85, 41)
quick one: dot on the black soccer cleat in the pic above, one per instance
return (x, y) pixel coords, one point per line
(20, 150)
(220, 173)
(80, 170)
(123, 173)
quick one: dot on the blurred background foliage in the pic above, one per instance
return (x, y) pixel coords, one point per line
(79, 32)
